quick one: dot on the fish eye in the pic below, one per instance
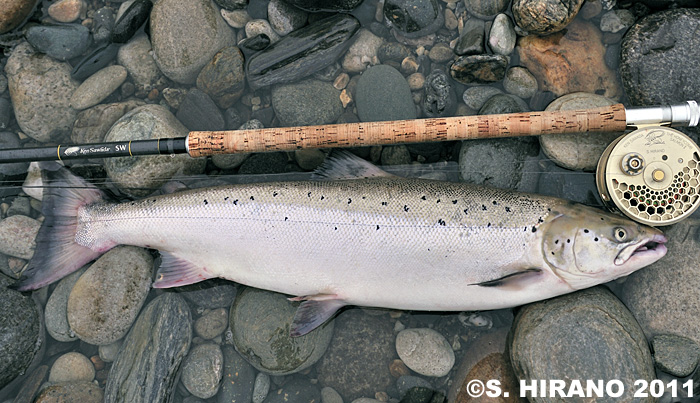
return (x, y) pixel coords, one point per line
(620, 234)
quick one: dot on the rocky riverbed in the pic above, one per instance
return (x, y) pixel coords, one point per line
(86, 71)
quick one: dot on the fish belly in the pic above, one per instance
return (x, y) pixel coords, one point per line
(407, 244)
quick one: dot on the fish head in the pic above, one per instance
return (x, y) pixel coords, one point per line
(586, 246)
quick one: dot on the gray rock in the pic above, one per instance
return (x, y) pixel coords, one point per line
(655, 67)
(285, 18)
(11, 140)
(265, 163)
(95, 61)
(14, 13)
(392, 51)
(5, 112)
(103, 23)
(395, 155)
(18, 235)
(382, 93)
(663, 297)
(40, 88)
(325, 5)
(261, 27)
(475, 97)
(298, 390)
(546, 16)
(408, 382)
(137, 57)
(55, 312)
(267, 345)
(98, 87)
(616, 20)
(20, 206)
(72, 367)
(62, 42)
(202, 370)
(223, 78)
(357, 362)
(675, 355)
(309, 102)
(414, 18)
(479, 69)
(485, 9)
(520, 82)
(211, 324)
(106, 299)
(579, 151)
(425, 351)
(499, 104)
(238, 379)
(309, 159)
(109, 352)
(329, 395)
(502, 35)
(471, 42)
(363, 52)
(440, 53)
(232, 4)
(20, 332)
(199, 112)
(185, 36)
(236, 18)
(92, 125)
(261, 387)
(591, 334)
(440, 99)
(84, 392)
(139, 176)
(148, 364)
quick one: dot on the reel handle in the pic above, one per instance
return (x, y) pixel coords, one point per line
(606, 119)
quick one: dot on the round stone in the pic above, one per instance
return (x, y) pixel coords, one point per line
(84, 392)
(202, 370)
(414, 18)
(18, 236)
(21, 334)
(66, 10)
(363, 52)
(72, 367)
(98, 87)
(212, 324)
(675, 355)
(55, 312)
(502, 35)
(520, 82)
(485, 9)
(310, 102)
(223, 78)
(544, 16)
(475, 97)
(382, 93)
(137, 57)
(425, 351)
(14, 12)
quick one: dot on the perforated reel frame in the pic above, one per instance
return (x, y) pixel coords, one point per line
(665, 190)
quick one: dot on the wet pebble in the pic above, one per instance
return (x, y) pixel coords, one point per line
(147, 366)
(66, 10)
(425, 351)
(475, 97)
(212, 324)
(223, 78)
(232, 4)
(94, 61)
(309, 159)
(20, 332)
(109, 352)
(408, 382)
(285, 18)
(267, 345)
(199, 112)
(61, 42)
(302, 52)
(479, 69)
(98, 87)
(440, 53)
(325, 5)
(11, 140)
(485, 9)
(544, 16)
(610, 345)
(40, 89)
(616, 20)
(18, 235)
(20, 206)
(261, 27)
(471, 42)
(310, 102)
(392, 51)
(414, 18)
(142, 123)
(395, 155)
(579, 151)
(261, 387)
(238, 379)
(265, 163)
(357, 362)
(502, 35)
(584, 70)
(202, 370)
(518, 81)
(182, 45)
(92, 124)
(72, 367)
(13, 13)
(440, 99)
(416, 81)
(363, 52)
(382, 93)
(645, 74)
(131, 20)
(106, 299)
(675, 355)
(298, 390)
(503, 103)
(136, 56)
(329, 395)
(84, 392)
(236, 18)
(55, 312)
(103, 24)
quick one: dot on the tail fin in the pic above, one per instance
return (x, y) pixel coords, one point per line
(57, 254)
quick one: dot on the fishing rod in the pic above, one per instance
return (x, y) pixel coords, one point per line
(651, 175)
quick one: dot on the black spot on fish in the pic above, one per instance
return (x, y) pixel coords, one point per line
(495, 203)
(252, 198)
(308, 194)
(552, 253)
(540, 220)
(349, 200)
(556, 241)
(205, 202)
(274, 194)
(534, 229)
(377, 227)
(154, 200)
(602, 219)
(226, 198)
(466, 211)
(549, 209)
(384, 203)
(235, 202)
(286, 218)
(488, 225)
(405, 208)
(335, 228)
(437, 201)
(454, 201)
(364, 197)
(133, 203)
(442, 222)
(422, 198)
(568, 241)
(507, 209)
(483, 207)
(586, 231)
(323, 197)
(595, 239)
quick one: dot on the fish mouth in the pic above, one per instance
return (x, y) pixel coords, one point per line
(646, 251)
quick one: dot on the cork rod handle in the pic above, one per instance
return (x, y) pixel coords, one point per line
(606, 119)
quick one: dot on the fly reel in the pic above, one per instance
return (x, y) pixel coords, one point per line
(652, 175)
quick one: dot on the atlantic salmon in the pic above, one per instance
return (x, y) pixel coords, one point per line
(357, 235)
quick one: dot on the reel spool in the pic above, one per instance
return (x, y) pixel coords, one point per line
(652, 175)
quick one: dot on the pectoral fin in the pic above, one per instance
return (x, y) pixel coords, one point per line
(176, 272)
(515, 280)
(313, 312)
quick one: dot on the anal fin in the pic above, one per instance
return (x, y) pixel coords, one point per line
(516, 280)
(176, 272)
(313, 312)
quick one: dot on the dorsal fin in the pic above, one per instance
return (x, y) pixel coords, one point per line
(345, 165)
